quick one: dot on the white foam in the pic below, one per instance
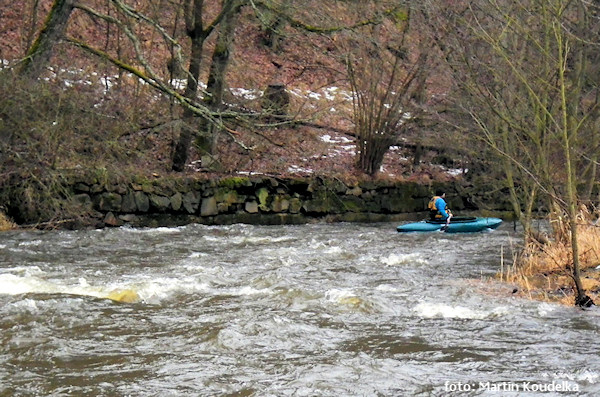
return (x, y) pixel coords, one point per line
(387, 288)
(585, 375)
(545, 308)
(334, 250)
(23, 270)
(335, 295)
(248, 291)
(248, 239)
(430, 310)
(24, 305)
(155, 230)
(149, 291)
(403, 259)
(11, 284)
(156, 290)
(232, 339)
(31, 243)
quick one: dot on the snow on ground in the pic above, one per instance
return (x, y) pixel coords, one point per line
(299, 170)
(339, 145)
(336, 140)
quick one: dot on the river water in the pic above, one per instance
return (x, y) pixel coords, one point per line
(304, 310)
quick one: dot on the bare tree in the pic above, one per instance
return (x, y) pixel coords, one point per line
(203, 113)
(387, 72)
(524, 74)
(198, 31)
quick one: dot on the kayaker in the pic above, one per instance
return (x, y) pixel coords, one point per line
(438, 209)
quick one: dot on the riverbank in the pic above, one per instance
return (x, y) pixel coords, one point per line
(538, 272)
(108, 200)
(542, 270)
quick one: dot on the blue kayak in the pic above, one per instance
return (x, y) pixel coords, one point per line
(458, 224)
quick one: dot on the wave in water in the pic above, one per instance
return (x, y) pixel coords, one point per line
(430, 310)
(149, 291)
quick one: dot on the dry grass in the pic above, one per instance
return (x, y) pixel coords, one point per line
(543, 271)
(6, 223)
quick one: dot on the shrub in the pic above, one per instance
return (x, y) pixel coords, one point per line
(50, 130)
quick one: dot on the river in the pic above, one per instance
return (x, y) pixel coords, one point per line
(304, 310)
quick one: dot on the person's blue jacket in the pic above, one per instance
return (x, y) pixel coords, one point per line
(440, 204)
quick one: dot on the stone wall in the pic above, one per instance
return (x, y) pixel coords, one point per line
(259, 200)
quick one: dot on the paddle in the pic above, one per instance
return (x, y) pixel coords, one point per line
(447, 225)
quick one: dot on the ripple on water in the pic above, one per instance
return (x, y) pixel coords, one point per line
(324, 309)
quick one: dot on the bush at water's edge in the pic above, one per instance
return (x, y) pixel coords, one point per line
(542, 269)
(6, 223)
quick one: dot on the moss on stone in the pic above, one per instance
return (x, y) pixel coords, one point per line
(228, 196)
(353, 204)
(235, 182)
(324, 202)
(263, 196)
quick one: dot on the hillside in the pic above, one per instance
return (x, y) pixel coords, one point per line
(143, 127)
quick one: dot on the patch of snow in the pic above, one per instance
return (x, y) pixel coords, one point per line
(178, 84)
(329, 139)
(457, 171)
(343, 151)
(250, 173)
(330, 93)
(107, 82)
(454, 171)
(297, 92)
(296, 168)
(248, 94)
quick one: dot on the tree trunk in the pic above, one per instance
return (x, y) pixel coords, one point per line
(39, 55)
(569, 136)
(215, 85)
(274, 25)
(197, 35)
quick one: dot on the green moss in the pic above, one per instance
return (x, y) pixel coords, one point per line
(142, 183)
(235, 182)
(325, 202)
(263, 196)
(100, 176)
(228, 196)
(221, 49)
(400, 14)
(353, 204)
